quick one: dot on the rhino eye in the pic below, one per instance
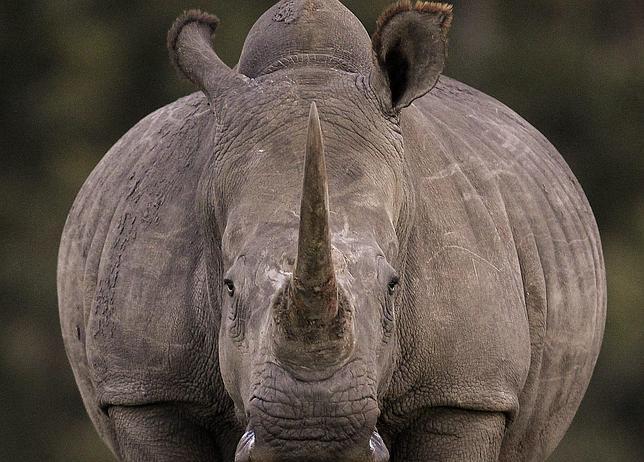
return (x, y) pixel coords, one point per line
(230, 287)
(393, 283)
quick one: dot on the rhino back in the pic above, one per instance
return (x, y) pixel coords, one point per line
(132, 288)
(507, 261)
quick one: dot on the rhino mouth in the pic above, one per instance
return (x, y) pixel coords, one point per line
(329, 420)
(249, 451)
(332, 423)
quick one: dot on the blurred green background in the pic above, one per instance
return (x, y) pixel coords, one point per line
(75, 75)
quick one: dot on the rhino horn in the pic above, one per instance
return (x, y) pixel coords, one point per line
(192, 53)
(314, 294)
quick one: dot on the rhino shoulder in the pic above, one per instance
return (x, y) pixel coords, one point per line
(490, 183)
(131, 267)
(491, 156)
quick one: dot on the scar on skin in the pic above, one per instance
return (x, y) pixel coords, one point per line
(474, 254)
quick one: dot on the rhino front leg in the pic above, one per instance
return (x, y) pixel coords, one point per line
(446, 435)
(160, 432)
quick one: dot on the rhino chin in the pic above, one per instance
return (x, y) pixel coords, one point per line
(246, 450)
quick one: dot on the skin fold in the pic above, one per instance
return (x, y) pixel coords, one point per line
(331, 253)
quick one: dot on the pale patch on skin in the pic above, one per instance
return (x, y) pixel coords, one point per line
(278, 277)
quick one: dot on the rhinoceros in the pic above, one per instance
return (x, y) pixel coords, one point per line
(331, 253)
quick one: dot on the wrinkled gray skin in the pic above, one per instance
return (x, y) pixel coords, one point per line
(482, 352)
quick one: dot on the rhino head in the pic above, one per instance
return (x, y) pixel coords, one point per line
(305, 207)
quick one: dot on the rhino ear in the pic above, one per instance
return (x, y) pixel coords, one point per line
(191, 52)
(410, 48)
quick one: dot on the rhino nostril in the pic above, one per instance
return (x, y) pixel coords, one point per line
(245, 447)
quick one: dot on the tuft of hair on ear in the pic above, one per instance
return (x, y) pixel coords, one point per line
(442, 11)
(186, 18)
